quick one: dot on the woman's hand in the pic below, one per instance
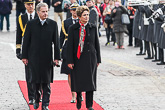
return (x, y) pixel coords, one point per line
(71, 66)
(25, 61)
(114, 11)
(98, 64)
(108, 12)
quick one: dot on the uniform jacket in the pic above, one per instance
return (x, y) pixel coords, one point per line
(117, 24)
(5, 7)
(19, 32)
(84, 72)
(37, 48)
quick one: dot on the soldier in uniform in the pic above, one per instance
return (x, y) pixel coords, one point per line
(40, 39)
(22, 21)
(63, 43)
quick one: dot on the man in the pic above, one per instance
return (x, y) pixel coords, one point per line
(22, 21)
(58, 11)
(37, 53)
(93, 17)
(63, 45)
(20, 8)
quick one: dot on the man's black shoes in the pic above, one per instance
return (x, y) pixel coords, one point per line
(90, 108)
(161, 63)
(45, 108)
(31, 102)
(36, 105)
(147, 58)
(141, 53)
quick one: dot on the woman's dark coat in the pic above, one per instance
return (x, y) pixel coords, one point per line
(136, 30)
(150, 31)
(161, 43)
(147, 13)
(117, 24)
(84, 72)
(37, 48)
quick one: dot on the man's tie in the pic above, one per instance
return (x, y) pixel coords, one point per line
(30, 17)
(42, 22)
(75, 20)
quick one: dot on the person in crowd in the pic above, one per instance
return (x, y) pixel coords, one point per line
(63, 44)
(131, 13)
(102, 8)
(99, 16)
(20, 8)
(58, 11)
(109, 27)
(22, 21)
(83, 56)
(5, 11)
(37, 53)
(93, 17)
(118, 28)
(67, 7)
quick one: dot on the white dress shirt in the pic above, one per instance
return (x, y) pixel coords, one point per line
(33, 14)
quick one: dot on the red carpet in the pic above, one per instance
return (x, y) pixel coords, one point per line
(60, 97)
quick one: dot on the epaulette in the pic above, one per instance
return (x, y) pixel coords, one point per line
(63, 30)
(21, 25)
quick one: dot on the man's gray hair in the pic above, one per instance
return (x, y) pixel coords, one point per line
(41, 5)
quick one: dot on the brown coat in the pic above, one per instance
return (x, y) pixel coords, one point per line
(107, 9)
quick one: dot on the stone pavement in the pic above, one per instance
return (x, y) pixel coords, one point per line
(125, 81)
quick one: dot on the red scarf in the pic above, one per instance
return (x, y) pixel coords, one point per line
(82, 34)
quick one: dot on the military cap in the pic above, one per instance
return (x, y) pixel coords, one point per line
(74, 6)
(29, 1)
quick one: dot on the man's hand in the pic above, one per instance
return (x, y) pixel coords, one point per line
(71, 66)
(25, 61)
(56, 63)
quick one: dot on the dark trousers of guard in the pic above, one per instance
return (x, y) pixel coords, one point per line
(161, 56)
(155, 50)
(30, 86)
(147, 46)
(46, 93)
(141, 46)
(89, 99)
(130, 38)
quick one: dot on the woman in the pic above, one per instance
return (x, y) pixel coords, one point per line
(118, 27)
(103, 6)
(83, 56)
(5, 11)
(108, 27)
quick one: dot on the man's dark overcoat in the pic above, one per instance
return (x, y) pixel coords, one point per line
(37, 48)
(84, 72)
